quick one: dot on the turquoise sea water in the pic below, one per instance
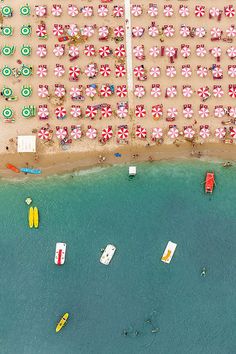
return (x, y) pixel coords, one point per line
(163, 202)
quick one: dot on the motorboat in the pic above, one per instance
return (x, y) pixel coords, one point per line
(31, 217)
(209, 182)
(62, 322)
(107, 254)
(60, 253)
(169, 252)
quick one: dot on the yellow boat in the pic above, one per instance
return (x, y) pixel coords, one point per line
(36, 217)
(31, 217)
(62, 322)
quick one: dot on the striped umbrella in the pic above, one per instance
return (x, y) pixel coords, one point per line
(6, 71)
(7, 31)
(25, 30)
(6, 11)
(26, 112)
(26, 91)
(7, 92)
(43, 134)
(26, 71)
(25, 10)
(7, 50)
(26, 50)
(76, 133)
(7, 112)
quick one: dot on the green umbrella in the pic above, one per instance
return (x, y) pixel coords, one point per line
(26, 91)
(6, 11)
(7, 31)
(25, 10)
(7, 50)
(25, 50)
(26, 71)
(6, 71)
(25, 30)
(26, 112)
(7, 92)
(7, 113)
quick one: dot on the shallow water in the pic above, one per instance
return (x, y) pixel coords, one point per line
(163, 202)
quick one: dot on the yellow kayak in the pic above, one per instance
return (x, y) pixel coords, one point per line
(62, 322)
(36, 217)
(31, 217)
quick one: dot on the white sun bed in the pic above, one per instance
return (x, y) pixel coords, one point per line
(169, 252)
(107, 254)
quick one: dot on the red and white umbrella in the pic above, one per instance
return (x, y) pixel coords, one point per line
(155, 91)
(170, 71)
(90, 70)
(91, 111)
(89, 50)
(103, 31)
(87, 31)
(105, 91)
(43, 91)
(154, 51)
(121, 91)
(184, 11)
(229, 11)
(199, 10)
(171, 91)
(59, 70)
(138, 31)
(168, 11)
(233, 133)
(43, 134)
(231, 52)
(232, 112)
(73, 30)
(119, 31)
(58, 50)
(41, 31)
(74, 72)
(43, 112)
(217, 72)
(220, 132)
(216, 52)
(40, 11)
(42, 71)
(73, 51)
(141, 132)
(170, 51)
(60, 112)
(155, 71)
(215, 32)
(41, 50)
(139, 71)
(189, 133)
(157, 133)
(169, 30)
(201, 51)
(120, 70)
(187, 91)
(57, 30)
(102, 10)
(75, 111)
(76, 133)
(184, 31)
(203, 92)
(214, 11)
(75, 92)
(185, 51)
(56, 10)
(122, 111)
(140, 111)
(61, 133)
(87, 11)
(173, 132)
(157, 111)
(120, 51)
(107, 133)
(104, 51)
(153, 10)
(172, 112)
(200, 32)
(188, 111)
(90, 91)
(72, 10)
(232, 91)
(186, 71)
(153, 31)
(91, 133)
(136, 10)
(219, 111)
(204, 133)
(203, 111)
(139, 91)
(105, 70)
(218, 91)
(231, 31)
(118, 11)
(123, 133)
(106, 111)
(202, 71)
(138, 52)
(60, 91)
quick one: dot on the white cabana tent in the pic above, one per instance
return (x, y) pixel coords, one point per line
(26, 143)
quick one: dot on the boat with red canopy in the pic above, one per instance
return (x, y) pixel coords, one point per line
(209, 182)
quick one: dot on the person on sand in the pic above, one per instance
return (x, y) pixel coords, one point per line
(150, 159)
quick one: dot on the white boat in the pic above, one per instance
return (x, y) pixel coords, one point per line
(60, 253)
(169, 252)
(107, 254)
(132, 170)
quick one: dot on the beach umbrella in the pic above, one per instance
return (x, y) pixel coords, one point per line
(90, 91)
(25, 50)
(74, 72)
(184, 11)
(120, 51)
(217, 72)
(90, 70)
(57, 30)
(40, 11)
(139, 91)
(7, 92)
(59, 70)
(72, 10)
(229, 11)
(60, 91)
(26, 30)
(203, 92)
(201, 50)
(232, 112)
(204, 133)
(155, 71)
(6, 11)
(41, 50)
(200, 32)
(73, 30)
(120, 70)
(91, 133)
(172, 112)
(220, 132)
(119, 32)
(118, 11)
(25, 10)
(73, 51)
(214, 11)
(217, 91)
(170, 51)
(231, 31)
(103, 31)
(157, 111)
(141, 132)
(91, 111)
(202, 71)
(153, 10)
(26, 91)
(107, 133)
(58, 50)
(138, 31)
(26, 71)
(106, 111)
(123, 133)
(87, 31)
(102, 10)
(219, 111)
(157, 133)
(138, 52)
(186, 71)
(187, 111)
(173, 132)
(75, 92)
(187, 91)
(41, 31)
(56, 10)
(203, 111)
(8, 50)
(140, 111)
(216, 52)
(60, 112)
(184, 31)
(171, 91)
(105, 91)
(169, 30)
(153, 31)
(199, 11)
(185, 51)
(170, 71)
(122, 111)
(104, 51)
(139, 71)
(136, 10)
(6, 71)
(89, 50)
(26, 112)
(43, 134)
(231, 52)
(87, 11)
(76, 133)
(43, 91)
(42, 71)
(75, 111)
(232, 91)
(61, 133)
(7, 31)
(189, 133)
(43, 112)
(7, 113)
(155, 90)
(233, 133)
(121, 91)
(168, 11)
(154, 51)
(216, 32)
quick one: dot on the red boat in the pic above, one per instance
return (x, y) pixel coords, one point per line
(209, 182)
(12, 167)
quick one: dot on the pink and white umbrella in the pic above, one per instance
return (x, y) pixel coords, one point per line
(120, 51)
(170, 51)
(107, 133)
(72, 29)
(171, 91)
(219, 111)
(232, 70)
(73, 51)
(231, 52)
(157, 111)
(119, 31)
(139, 71)
(185, 51)
(90, 91)
(123, 133)
(105, 91)
(87, 11)
(155, 71)
(203, 111)
(203, 92)
(153, 10)
(139, 91)
(57, 30)
(72, 10)
(43, 91)
(184, 11)
(204, 133)
(170, 71)
(220, 132)
(89, 50)
(169, 30)
(216, 32)
(138, 52)
(172, 112)
(60, 91)
(43, 112)
(120, 70)
(189, 133)
(87, 31)
(157, 133)
(60, 112)
(232, 112)
(216, 52)
(141, 132)
(121, 91)
(59, 70)
(153, 31)
(231, 31)
(187, 91)
(76, 133)
(217, 72)
(43, 134)
(75, 111)
(200, 32)
(136, 10)
(184, 31)
(155, 91)
(188, 111)
(40, 11)
(217, 91)
(214, 11)
(90, 70)
(173, 132)
(91, 112)
(41, 31)
(122, 111)
(140, 111)
(118, 11)
(106, 111)
(105, 70)
(103, 31)
(102, 10)
(59, 50)
(42, 70)
(232, 91)
(138, 31)
(168, 11)
(104, 51)
(201, 50)
(75, 92)
(233, 133)
(199, 11)
(61, 133)
(74, 72)
(229, 11)
(91, 133)
(186, 71)
(154, 51)
(202, 71)
(41, 50)
(56, 10)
